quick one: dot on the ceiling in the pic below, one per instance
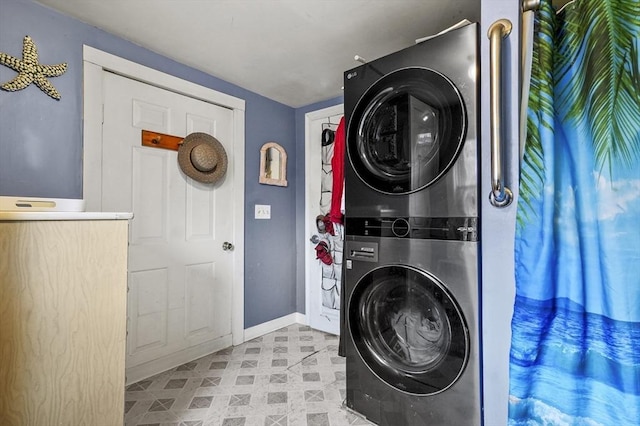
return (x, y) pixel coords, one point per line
(291, 51)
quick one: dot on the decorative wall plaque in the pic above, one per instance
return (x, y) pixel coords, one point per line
(30, 71)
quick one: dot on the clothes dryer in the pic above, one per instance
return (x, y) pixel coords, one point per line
(412, 329)
(412, 132)
(411, 274)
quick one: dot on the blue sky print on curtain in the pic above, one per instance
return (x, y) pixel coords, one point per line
(575, 350)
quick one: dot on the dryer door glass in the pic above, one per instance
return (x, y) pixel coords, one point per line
(408, 329)
(406, 131)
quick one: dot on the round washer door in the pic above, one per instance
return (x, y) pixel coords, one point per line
(408, 329)
(406, 131)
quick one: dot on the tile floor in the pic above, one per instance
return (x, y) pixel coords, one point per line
(290, 377)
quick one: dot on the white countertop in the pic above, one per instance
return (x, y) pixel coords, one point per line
(17, 216)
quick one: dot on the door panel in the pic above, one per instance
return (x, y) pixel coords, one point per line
(200, 296)
(200, 207)
(180, 279)
(147, 116)
(319, 315)
(147, 302)
(196, 123)
(150, 196)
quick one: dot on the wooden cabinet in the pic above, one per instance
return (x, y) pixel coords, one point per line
(62, 322)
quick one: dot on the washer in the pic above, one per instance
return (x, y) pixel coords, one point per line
(411, 131)
(412, 343)
(411, 273)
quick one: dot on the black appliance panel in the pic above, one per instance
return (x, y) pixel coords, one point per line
(438, 228)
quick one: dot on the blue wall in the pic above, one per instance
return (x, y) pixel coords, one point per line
(41, 143)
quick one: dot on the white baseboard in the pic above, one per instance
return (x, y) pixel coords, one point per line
(156, 366)
(302, 319)
(273, 325)
(151, 368)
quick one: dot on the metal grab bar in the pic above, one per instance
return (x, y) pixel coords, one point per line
(500, 195)
(528, 5)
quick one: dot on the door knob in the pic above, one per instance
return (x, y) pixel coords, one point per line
(227, 246)
(315, 239)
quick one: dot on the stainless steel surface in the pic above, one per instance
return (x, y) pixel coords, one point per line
(408, 362)
(361, 251)
(455, 192)
(227, 246)
(500, 195)
(455, 265)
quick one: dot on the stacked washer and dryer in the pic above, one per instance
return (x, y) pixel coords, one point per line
(411, 268)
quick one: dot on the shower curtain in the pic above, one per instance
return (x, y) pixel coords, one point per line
(575, 348)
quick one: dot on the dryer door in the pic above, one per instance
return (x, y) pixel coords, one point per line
(408, 329)
(406, 131)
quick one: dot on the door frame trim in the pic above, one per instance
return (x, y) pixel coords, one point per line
(95, 62)
(309, 222)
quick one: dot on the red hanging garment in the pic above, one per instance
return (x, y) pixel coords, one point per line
(323, 253)
(337, 165)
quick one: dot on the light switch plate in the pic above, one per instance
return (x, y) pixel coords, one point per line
(263, 211)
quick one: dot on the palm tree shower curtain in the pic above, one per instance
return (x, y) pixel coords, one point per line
(575, 348)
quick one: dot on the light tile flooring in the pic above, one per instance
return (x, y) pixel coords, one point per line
(291, 377)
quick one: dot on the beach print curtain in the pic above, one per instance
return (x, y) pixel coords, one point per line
(575, 350)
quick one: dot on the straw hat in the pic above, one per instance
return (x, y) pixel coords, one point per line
(202, 157)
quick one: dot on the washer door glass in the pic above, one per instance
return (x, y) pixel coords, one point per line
(406, 131)
(408, 329)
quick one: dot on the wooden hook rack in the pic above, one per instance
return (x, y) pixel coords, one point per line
(160, 140)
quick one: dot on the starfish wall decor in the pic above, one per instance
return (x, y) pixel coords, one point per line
(30, 71)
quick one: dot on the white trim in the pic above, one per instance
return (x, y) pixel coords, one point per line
(273, 325)
(151, 368)
(237, 296)
(95, 63)
(309, 225)
(134, 70)
(92, 134)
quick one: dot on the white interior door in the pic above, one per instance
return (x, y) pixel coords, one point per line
(180, 279)
(319, 315)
